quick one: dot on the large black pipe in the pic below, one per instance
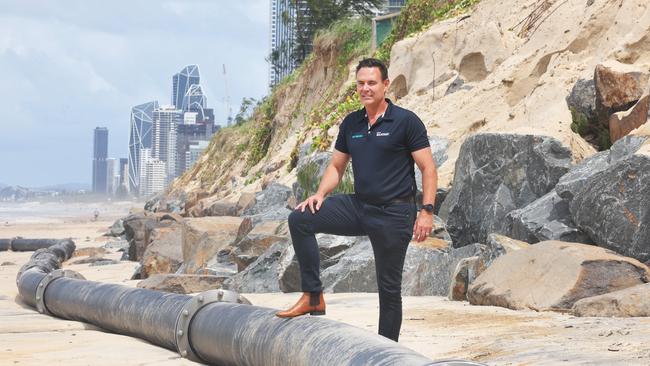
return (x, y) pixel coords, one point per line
(26, 245)
(203, 328)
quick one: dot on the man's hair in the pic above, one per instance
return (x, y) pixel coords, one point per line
(373, 62)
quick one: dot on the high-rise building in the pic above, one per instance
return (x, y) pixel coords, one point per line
(112, 176)
(124, 175)
(181, 83)
(283, 18)
(194, 99)
(140, 138)
(165, 124)
(154, 177)
(195, 150)
(100, 153)
(187, 135)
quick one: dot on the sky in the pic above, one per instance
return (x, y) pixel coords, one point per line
(69, 66)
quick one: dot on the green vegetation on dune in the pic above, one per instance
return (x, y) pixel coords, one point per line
(416, 16)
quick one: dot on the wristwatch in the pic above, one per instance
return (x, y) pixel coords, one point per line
(428, 208)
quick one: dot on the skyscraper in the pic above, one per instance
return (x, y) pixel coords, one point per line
(283, 18)
(181, 83)
(112, 176)
(165, 123)
(195, 100)
(140, 138)
(124, 175)
(100, 153)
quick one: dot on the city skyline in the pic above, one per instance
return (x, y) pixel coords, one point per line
(70, 69)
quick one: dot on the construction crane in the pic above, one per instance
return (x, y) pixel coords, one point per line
(228, 106)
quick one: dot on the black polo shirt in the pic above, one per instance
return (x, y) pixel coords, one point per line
(381, 156)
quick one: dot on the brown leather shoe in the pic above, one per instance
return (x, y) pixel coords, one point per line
(312, 303)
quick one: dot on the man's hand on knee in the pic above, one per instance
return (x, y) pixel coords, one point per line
(313, 202)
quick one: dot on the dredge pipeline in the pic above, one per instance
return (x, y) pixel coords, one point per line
(26, 245)
(216, 327)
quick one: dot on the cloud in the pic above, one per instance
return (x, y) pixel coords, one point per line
(67, 69)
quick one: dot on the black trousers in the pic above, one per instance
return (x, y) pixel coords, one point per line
(389, 228)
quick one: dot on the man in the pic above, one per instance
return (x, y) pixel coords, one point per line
(383, 140)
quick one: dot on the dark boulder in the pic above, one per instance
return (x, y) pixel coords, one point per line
(496, 174)
(331, 249)
(354, 272)
(577, 177)
(428, 271)
(270, 204)
(547, 218)
(260, 276)
(613, 207)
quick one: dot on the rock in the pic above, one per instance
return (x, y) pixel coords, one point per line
(547, 218)
(309, 172)
(582, 99)
(618, 87)
(137, 273)
(578, 175)
(260, 276)
(121, 245)
(270, 204)
(153, 203)
(257, 241)
(213, 207)
(89, 252)
(331, 249)
(246, 200)
(273, 166)
(498, 245)
(137, 228)
(622, 123)
(7, 264)
(428, 271)
(632, 301)
(164, 254)
(275, 195)
(117, 229)
(103, 262)
(439, 146)
(553, 275)
(468, 269)
(613, 206)
(90, 260)
(204, 237)
(496, 174)
(174, 203)
(354, 272)
(182, 283)
(457, 84)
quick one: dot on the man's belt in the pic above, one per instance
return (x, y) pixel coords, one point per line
(405, 199)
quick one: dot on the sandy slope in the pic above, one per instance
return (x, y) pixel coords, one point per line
(432, 325)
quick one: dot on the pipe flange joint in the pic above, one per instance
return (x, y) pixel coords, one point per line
(42, 286)
(190, 309)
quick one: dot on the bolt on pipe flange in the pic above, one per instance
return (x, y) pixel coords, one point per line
(42, 286)
(191, 308)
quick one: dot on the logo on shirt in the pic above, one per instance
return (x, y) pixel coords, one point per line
(357, 136)
(383, 133)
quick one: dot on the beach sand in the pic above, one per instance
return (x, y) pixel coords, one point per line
(433, 326)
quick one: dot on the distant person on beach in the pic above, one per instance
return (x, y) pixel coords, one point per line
(95, 215)
(383, 141)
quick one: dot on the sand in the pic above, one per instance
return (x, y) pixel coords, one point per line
(433, 326)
